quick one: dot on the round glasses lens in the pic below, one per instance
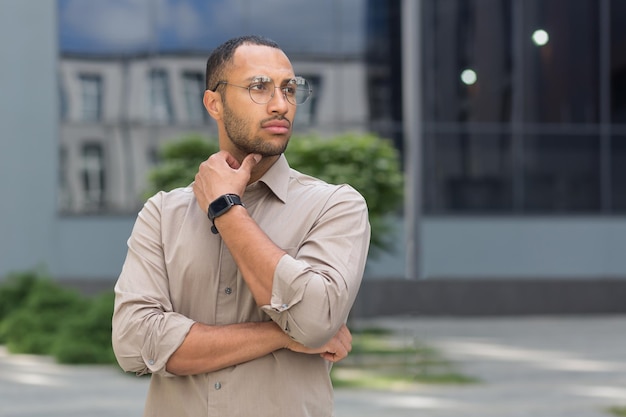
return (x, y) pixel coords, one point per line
(302, 91)
(296, 91)
(261, 92)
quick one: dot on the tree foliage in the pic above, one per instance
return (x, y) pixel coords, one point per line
(367, 162)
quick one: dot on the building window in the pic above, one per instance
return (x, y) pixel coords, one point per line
(65, 200)
(618, 67)
(307, 112)
(91, 97)
(561, 173)
(160, 102)
(62, 100)
(193, 88)
(93, 175)
(467, 172)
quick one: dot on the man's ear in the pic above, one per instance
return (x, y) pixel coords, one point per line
(213, 103)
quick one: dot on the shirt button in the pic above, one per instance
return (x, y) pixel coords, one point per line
(151, 362)
(285, 306)
(218, 385)
(228, 290)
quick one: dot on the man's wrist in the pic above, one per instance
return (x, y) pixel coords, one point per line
(221, 206)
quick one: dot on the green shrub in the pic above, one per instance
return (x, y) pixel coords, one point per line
(86, 338)
(33, 326)
(40, 316)
(14, 291)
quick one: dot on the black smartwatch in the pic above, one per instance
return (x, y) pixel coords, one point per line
(220, 206)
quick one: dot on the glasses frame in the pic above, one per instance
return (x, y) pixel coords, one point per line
(282, 87)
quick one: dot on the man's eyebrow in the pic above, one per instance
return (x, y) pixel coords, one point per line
(260, 77)
(265, 78)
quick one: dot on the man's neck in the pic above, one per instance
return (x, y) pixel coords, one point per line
(262, 167)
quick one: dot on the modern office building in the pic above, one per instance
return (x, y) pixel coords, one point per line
(510, 115)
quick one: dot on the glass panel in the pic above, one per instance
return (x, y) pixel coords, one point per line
(91, 96)
(320, 27)
(561, 173)
(384, 69)
(467, 58)
(160, 103)
(560, 46)
(618, 173)
(63, 109)
(618, 61)
(64, 195)
(93, 176)
(468, 172)
(193, 85)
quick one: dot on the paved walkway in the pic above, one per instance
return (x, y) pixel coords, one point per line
(530, 367)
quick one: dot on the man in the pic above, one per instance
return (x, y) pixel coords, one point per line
(235, 291)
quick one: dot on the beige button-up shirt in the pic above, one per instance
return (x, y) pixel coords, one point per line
(177, 272)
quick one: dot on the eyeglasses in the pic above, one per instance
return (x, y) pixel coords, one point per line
(261, 90)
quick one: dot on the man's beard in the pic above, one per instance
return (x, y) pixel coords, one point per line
(238, 130)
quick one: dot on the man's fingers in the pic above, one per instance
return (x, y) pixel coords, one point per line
(250, 161)
(345, 337)
(230, 160)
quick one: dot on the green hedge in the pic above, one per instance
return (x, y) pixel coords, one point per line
(39, 316)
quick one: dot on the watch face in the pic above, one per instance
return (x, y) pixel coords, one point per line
(218, 206)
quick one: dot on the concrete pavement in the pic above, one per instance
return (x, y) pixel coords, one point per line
(533, 366)
(537, 366)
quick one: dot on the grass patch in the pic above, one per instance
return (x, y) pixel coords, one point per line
(617, 411)
(381, 359)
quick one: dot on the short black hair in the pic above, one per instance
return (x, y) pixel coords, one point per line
(222, 56)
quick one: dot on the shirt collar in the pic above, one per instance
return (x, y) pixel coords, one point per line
(277, 178)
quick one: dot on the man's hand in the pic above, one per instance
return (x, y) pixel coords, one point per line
(222, 174)
(335, 350)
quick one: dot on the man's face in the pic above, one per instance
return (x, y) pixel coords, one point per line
(258, 128)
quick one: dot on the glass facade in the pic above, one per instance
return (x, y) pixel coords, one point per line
(523, 101)
(520, 102)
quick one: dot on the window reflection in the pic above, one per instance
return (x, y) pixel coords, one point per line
(468, 172)
(160, 103)
(618, 173)
(93, 174)
(561, 173)
(560, 78)
(467, 59)
(193, 86)
(91, 97)
(147, 72)
(618, 61)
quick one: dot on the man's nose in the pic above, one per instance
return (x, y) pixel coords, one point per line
(278, 103)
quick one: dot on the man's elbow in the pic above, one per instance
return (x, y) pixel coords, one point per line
(313, 334)
(132, 364)
(128, 360)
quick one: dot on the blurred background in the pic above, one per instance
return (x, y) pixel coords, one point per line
(509, 117)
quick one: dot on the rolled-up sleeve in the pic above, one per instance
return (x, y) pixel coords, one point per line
(146, 330)
(315, 287)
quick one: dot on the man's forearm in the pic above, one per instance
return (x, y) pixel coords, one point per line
(254, 252)
(211, 348)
